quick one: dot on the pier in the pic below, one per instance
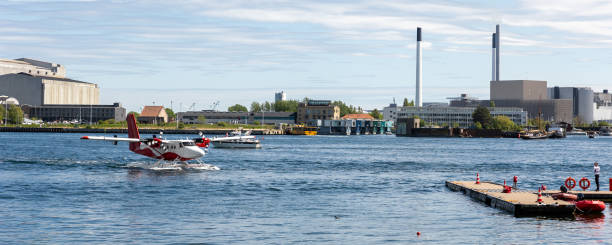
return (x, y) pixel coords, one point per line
(518, 202)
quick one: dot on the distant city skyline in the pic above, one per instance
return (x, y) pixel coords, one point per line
(361, 52)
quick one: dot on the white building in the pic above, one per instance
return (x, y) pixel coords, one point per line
(32, 67)
(602, 107)
(390, 112)
(36, 83)
(280, 96)
(461, 115)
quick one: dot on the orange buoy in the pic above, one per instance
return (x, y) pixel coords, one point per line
(585, 183)
(570, 183)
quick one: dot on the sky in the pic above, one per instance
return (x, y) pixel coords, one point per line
(190, 54)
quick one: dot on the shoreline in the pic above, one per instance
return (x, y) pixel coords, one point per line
(141, 130)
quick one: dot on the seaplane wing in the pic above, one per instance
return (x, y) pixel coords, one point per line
(110, 138)
(231, 138)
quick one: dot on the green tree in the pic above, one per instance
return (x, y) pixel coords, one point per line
(201, 119)
(286, 106)
(376, 114)
(15, 114)
(237, 108)
(491, 103)
(483, 116)
(345, 109)
(2, 113)
(603, 124)
(267, 106)
(170, 113)
(136, 114)
(407, 103)
(542, 124)
(455, 125)
(504, 123)
(255, 107)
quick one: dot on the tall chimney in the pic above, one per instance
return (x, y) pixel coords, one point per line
(497, 47)
(493, 71)
(419, 76)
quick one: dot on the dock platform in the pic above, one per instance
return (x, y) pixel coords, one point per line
(518, 202)
(605, 196)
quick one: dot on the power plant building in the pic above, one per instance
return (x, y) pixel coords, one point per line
(38, 83)
(582, 101)
(531, 96)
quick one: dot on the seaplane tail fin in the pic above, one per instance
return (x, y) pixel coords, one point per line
(133, 131)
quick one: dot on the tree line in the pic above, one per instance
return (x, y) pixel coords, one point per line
(14, 115)
(291, 106)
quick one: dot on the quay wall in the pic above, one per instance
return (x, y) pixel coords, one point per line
(142, 131)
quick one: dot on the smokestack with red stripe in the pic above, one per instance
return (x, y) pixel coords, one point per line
(419, 76)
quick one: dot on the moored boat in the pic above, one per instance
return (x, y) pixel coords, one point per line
(590, 206)
(236, 140)
(303, 130)
(564, 197)
(534, 136)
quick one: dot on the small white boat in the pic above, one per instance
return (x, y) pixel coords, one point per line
(577, 132)
(236, 140)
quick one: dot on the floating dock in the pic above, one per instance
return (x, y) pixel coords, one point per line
(605, 196)
(518, 202)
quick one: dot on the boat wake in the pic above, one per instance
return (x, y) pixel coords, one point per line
(173, 166)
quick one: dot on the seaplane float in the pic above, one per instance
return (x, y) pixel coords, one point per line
(171, 154)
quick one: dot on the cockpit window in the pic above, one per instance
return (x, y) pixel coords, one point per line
(188, 143)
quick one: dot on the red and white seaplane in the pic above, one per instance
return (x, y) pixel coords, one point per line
(158, 148)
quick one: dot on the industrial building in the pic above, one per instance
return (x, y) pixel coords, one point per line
(317, 110)
(38, 83)
(461, 115)
(210, 116)
(531, 96)
(75, 113)
(32, 67)
(390, 112)
(582, 101)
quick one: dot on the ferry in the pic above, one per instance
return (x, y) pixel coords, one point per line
(303, 130)
(237, 140)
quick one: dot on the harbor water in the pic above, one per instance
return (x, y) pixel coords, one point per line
(371, 189)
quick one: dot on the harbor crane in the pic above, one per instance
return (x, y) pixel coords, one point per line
(214, 105)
